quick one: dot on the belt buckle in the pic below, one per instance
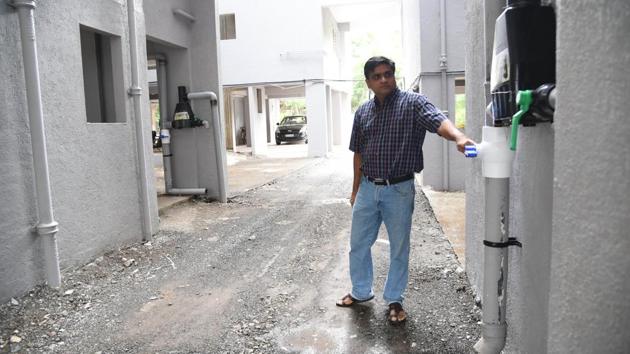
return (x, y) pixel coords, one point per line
(381, 181)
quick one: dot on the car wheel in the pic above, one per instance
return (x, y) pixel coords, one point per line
(306, 141)
(278, 142)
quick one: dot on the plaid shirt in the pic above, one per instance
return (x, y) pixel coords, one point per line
(389, 137)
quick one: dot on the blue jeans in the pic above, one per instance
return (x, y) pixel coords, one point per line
(373, 205)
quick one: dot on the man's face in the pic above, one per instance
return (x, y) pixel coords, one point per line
(381, 80)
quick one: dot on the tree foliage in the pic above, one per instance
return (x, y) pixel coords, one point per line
(369, 44)
(292, 107)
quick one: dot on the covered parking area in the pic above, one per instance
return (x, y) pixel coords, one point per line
(252, 112)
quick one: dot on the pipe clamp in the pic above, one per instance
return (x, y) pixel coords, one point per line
(512, 241)
(50, 228)
(134, 91)
(22, 3)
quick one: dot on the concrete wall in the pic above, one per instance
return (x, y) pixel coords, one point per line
(93, 167)
(421, 35)
(568, 285)
(475, 113)
(589, 307)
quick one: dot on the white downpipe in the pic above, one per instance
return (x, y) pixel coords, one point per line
(219, 140)
(46, 227)
(496, 158)
(135, 91)
(165, 134)
(444, 98)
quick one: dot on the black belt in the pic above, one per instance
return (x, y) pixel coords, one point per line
(388, 182)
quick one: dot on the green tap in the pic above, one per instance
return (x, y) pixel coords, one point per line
(523, 100)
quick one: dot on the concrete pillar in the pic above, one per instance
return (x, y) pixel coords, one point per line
(274, 116)
(257, 121)
(329, 118)
(347, 118)
(336, 117)
(315, 93)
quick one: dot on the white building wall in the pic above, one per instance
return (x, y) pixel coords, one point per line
(317, 128)
(275, 41)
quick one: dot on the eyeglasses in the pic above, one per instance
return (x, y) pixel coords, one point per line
(387, 75)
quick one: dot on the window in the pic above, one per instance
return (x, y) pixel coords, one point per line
(101, 56)
(228, 26)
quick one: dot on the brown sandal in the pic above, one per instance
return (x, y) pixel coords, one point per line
(342, 302)
(396, 313)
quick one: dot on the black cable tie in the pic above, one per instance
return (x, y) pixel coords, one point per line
(512, 241)
(169, 155)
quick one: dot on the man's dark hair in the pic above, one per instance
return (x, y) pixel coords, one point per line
(373, 62)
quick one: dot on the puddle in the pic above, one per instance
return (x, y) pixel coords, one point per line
(311, 340)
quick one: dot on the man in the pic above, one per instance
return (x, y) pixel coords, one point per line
(387, 138)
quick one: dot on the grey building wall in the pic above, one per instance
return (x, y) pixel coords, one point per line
(428, 61)
(94, 170)
(568, 285)
(475, 113)
(20, 257)
(590, 267)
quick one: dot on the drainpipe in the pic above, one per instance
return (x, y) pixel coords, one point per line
(496, 158)
(46, 227)
(219, 141)
(444, 99)
(165, 123)
(135, 91)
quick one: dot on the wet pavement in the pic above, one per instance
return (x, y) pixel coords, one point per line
(257, 275)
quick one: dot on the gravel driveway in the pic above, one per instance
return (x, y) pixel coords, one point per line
(259, 274)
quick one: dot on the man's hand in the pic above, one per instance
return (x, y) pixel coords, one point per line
(462, 141)
(352, 198)
(447, 130)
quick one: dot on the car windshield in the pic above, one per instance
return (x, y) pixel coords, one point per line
(291, 120)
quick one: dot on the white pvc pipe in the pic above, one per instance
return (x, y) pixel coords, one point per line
(165, 125)
(46, 227)
(444, 98)
(135, 91)
(185, 15)
(187, 191)
(219, 141)
(496, 158)
(494, 297)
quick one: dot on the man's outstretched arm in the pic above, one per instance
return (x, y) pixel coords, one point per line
(448, 130)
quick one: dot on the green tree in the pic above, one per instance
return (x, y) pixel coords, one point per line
(369, 44)
(292, 107)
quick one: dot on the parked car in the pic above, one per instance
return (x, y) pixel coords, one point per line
(291, 128)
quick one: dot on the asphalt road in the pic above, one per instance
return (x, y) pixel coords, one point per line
(259, 274)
